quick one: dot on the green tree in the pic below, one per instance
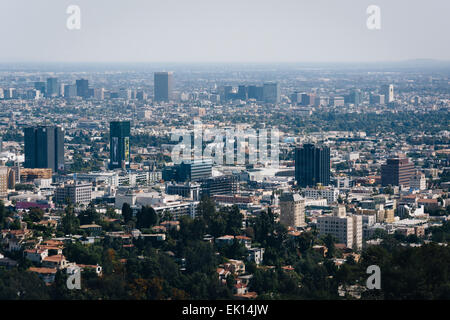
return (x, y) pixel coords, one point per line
(69, 221)
(127, 213)
(146, 217)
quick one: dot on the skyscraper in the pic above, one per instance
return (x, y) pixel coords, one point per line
(271, 92)
(255, 92)
(52, 87)
(44, 147)
(397, 172)
(163, 86)
(377, 99)
(119, 144)
(70, 91)
(388, 92)
(312, 165)
(355, 97)
(40, 85)
(242, 92)
(82, 88)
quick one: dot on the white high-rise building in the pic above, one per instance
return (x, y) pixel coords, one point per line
(388, 92)
(292, 210)
(346, 229)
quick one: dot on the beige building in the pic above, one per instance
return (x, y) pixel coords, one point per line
(292, 210)
(3, 181)
(346, 229)
(28, 175)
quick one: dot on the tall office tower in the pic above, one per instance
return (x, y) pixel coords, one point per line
(307, 99)
(33, 94)
(141, 95)
(296, 97)
(312, 165)
(388, 92)
(227, 93)
(255, 92)
(347, 229)
(10, 93)
(119, 144)
(397, 172)
(40, 85)
(70, 91)
(44, 147)
(292, 210)
(99, 93)
(355, 97)
(242, 92)
(271, 92)
(163, 86)
(377, 99)
(2, 95)
(82, 88)
(52, 87)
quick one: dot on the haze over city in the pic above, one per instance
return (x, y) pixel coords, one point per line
(223, 31)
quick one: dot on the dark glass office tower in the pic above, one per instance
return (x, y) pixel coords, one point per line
(255, 92)
(119, 144)
(312, 165)
(52, 87)
(44, 147)
(397, 172)
(82, 88)
(40, 85)
(163, 86)
(242, 92)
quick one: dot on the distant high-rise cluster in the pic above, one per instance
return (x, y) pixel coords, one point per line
(268, 92)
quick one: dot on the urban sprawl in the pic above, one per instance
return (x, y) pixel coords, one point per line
(88, 183)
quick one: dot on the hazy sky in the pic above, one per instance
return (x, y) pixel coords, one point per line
(223, 31)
